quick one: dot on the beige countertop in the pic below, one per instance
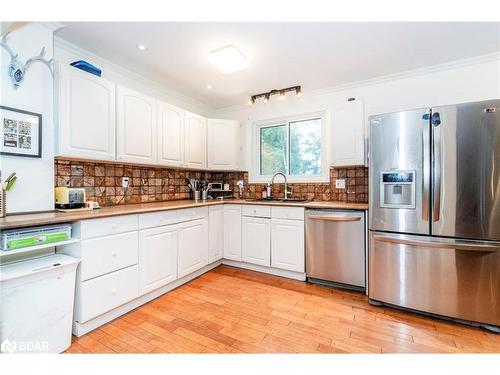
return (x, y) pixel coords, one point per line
(55, 217)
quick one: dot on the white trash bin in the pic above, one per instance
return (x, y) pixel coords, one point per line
(36, 304)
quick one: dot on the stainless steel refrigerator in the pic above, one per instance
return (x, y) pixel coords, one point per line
(435, 211)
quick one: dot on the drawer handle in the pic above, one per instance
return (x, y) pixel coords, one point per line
(114, 291)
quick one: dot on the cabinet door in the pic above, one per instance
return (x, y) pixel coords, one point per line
(195, 141)
(223, 144)
(232, 232)
(86, 115)
(256, 240)
(170, 135)
(348, 134)
(287, 245)
(136, 126)
(157, 257)
(193, 247)
(215, 233)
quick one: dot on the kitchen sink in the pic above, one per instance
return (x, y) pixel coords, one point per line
(279, 200)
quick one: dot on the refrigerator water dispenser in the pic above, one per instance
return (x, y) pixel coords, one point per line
(397, 189)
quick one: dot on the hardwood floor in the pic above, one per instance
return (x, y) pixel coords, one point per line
(230, 310)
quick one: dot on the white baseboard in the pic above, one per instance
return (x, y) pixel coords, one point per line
(270, 270)
(80, 329)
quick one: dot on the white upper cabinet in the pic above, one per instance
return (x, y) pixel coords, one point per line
(136, 126)
(86, 115)
(195, 141)
(223, 144)
(170, 135)
(348, 146)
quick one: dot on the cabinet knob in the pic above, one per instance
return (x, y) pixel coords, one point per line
(114, 291)
(114, 226)
(114, 254)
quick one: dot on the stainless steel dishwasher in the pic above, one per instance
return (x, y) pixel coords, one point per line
(335, 248)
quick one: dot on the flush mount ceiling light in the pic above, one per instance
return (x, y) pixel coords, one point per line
(228, 59)
(280, 92)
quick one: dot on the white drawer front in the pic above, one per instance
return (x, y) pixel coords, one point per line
(256, 210)
(187, 214)
(109, 225)
(293, 213)
(158, 219)
(107, 254)
(107, 292)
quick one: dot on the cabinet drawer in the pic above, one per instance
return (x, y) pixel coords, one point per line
(255, 210)
(107, 254)
(293, 213)
(109, 225)
(158, 219)
(107, 292)
(192, 213)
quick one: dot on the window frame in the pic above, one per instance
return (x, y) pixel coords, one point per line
(254, 173)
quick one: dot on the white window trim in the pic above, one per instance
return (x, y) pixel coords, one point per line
(254, 172)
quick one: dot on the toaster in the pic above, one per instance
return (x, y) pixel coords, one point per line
(69, 197)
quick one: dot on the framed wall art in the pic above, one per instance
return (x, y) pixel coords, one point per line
(21, 132)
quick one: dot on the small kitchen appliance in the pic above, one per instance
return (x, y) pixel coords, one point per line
(69, 197)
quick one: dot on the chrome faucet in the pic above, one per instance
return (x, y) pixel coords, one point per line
(287, 192)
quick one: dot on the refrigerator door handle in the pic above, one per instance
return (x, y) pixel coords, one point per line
(426, 178)
(436, 166)
(441, 243)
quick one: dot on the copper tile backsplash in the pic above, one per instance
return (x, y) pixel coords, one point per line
(103, 182)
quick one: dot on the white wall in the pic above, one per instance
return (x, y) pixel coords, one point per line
(66, 53)
(462, 81)
(35, 182)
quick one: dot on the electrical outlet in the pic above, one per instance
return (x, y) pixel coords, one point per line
(125, 182)
(340, 184)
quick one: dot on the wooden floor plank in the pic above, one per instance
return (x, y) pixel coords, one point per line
(231, 310)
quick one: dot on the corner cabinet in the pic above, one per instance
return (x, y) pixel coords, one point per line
(170, 135)
(136, 126)
(232, 232)
(195, 141)
(224, 147)
(85, 125)
(348, 129)
(215, 233)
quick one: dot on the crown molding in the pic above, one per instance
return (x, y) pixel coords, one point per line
(456, 64)
(52, 25)
(74, 49)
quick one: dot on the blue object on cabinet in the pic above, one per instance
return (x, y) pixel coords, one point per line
(83, 65)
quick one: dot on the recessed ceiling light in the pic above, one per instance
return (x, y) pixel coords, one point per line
(209, 87)
(228, 59)
(141, 47)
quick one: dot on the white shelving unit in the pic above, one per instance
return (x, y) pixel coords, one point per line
(4, 253)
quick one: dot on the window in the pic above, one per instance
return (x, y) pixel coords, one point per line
(293, 147)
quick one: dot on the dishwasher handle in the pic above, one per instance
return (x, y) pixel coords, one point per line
(334, 218)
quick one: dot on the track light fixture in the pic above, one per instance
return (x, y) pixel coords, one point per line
(280, 92)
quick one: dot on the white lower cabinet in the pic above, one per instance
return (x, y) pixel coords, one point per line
(157, 257)
(104, 293)
(256, 240)
(287, 245)
(215, 233)
(232, 232)
(192, 252)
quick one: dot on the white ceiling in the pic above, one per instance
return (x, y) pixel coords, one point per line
(314, 55)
